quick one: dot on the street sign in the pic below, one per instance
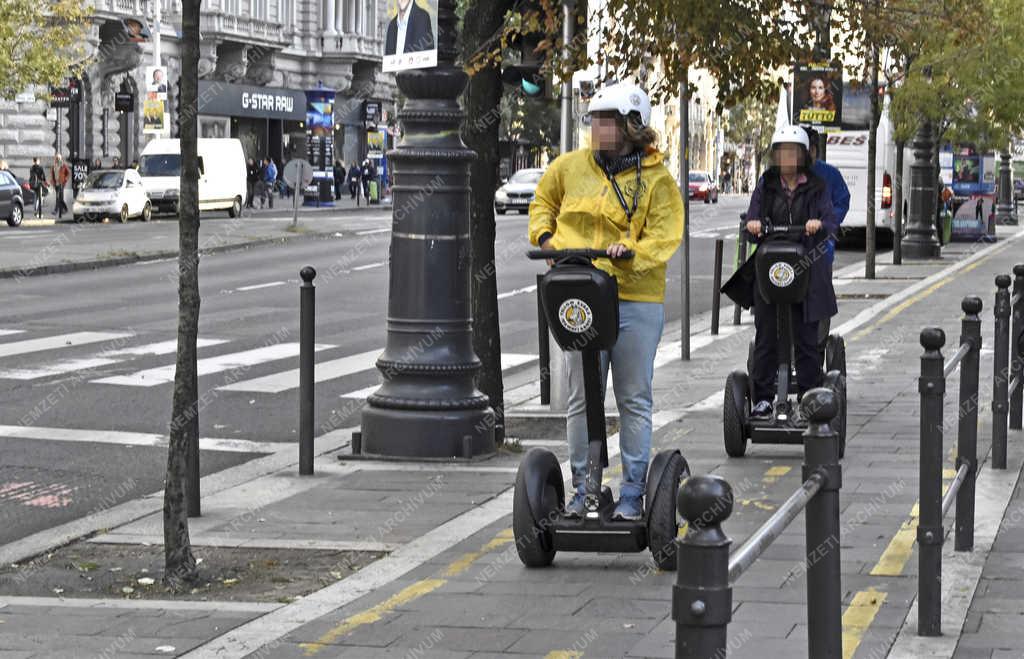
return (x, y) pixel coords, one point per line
(298, 173)
(124, 101)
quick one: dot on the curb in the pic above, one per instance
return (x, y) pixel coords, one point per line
(97, 264)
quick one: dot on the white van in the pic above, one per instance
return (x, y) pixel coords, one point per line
(221, 174)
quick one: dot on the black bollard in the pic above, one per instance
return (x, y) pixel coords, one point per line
(1000, 371)
(1016, 358)
(932, 387)
(967, 433)
(543, 351)
(824, 573)
(716, 293)
(702, 596)
(307, 335)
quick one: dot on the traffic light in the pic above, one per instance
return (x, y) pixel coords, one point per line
(526, 76)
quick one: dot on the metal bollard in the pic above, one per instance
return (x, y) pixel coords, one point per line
(543, 353)
(1000, 371)
(307, 335)
(824, 572)
(1016, 358)
(932, 387)
(702, 596)
(741, 257)
(967, 433)
(716, 294)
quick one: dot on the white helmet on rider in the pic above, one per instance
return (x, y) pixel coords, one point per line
(790, 135)
(623, 98)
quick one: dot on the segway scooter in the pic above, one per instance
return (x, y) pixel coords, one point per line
(783, 278)
(582, 310)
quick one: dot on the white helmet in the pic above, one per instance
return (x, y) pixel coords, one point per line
(790, 135)
(623, 98)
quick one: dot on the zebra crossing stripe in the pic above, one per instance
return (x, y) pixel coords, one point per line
(104, 358)
(58, 342)
(123, 438)
(236, 361)
(7, 332)
(275, 383)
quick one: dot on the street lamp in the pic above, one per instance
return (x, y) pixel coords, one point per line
(1005, 213)
(428, 406)
(921, 241)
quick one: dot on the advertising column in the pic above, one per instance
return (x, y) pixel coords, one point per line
(320, 146)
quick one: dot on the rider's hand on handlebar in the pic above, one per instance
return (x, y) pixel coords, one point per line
(616, 250)
(547, 245)
(812, 227)
(754, 227)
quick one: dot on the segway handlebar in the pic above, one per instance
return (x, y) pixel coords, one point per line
(557, 254)
(786, 230)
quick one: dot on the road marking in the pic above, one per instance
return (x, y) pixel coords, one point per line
(104, 358)
(256, 287)
(367, 232)
(563, 654)
(858, 617)
(37, 495)
(58, 342)
(151, 377)
(136, 604)
(773, 474)
(275, 383)
(8, 332)
(509, 360)
(897, 553)
(125, 438)
(369, 266)
(518, 291)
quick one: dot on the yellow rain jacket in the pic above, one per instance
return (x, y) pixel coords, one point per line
(576, 204)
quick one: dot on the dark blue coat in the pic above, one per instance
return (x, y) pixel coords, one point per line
(811, 201)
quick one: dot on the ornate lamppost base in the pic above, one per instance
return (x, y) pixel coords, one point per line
(921, 249)
(415, 434)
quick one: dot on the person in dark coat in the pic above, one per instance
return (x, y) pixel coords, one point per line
(413, 23)
(339, 178)
(790, 193)
(252, 178)
(353, 180)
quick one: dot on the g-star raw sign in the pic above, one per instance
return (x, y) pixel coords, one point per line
(267, 102)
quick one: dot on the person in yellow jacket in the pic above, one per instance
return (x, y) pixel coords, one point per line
(616, 196)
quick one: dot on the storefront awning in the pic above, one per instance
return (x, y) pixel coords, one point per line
(230, 100)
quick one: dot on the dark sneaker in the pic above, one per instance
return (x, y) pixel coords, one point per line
(762, 409)
(629, 508)
(575, 508)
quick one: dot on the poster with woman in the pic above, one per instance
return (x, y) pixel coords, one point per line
(818, 95)
(410, 41)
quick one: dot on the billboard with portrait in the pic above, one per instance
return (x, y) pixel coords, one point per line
(818, 95)
(154, 104)
(410, 40)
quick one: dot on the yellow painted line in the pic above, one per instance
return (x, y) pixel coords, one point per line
(858, 617)
(563, 654)
(404, 596)
(757, 503)
(374, 614)
(773, 474)
(949, 473)
(914, 299)
(896, 555)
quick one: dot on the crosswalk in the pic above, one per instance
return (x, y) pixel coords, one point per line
(124, 359)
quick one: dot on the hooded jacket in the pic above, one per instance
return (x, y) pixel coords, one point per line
(576, 204)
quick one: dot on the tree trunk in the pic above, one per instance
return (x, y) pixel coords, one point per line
(870, 244)
(480, 132)
(179, 563)
(897, 200)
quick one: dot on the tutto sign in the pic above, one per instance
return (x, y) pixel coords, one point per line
(229, 100)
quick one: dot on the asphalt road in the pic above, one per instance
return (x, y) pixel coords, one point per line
(87, 357)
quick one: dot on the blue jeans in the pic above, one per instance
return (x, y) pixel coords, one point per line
(632, 365)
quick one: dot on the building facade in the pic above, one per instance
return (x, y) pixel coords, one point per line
(257, 58)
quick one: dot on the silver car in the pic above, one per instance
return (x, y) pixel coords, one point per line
(517, 193)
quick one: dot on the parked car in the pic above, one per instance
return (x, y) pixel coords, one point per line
(221, 174)
(702, 186)
(12, 201)
(112, 193)
(517, 192)
(27, 195)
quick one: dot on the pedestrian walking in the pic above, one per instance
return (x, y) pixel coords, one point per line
(366, 175)
(116, 164)
(97, 164)
(339, 178)
(252, 178)
(59, 175)
(269, 179)
(353, 181)
(37, 181)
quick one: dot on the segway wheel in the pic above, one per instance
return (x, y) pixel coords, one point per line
(662, 521)
(835, 354)
(537, 501)
(835, 381)
(735, 411)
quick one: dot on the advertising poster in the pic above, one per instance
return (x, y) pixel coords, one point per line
(974, 217)
(818, 95)
(320, 142)
(410, 41)
(155, 119)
